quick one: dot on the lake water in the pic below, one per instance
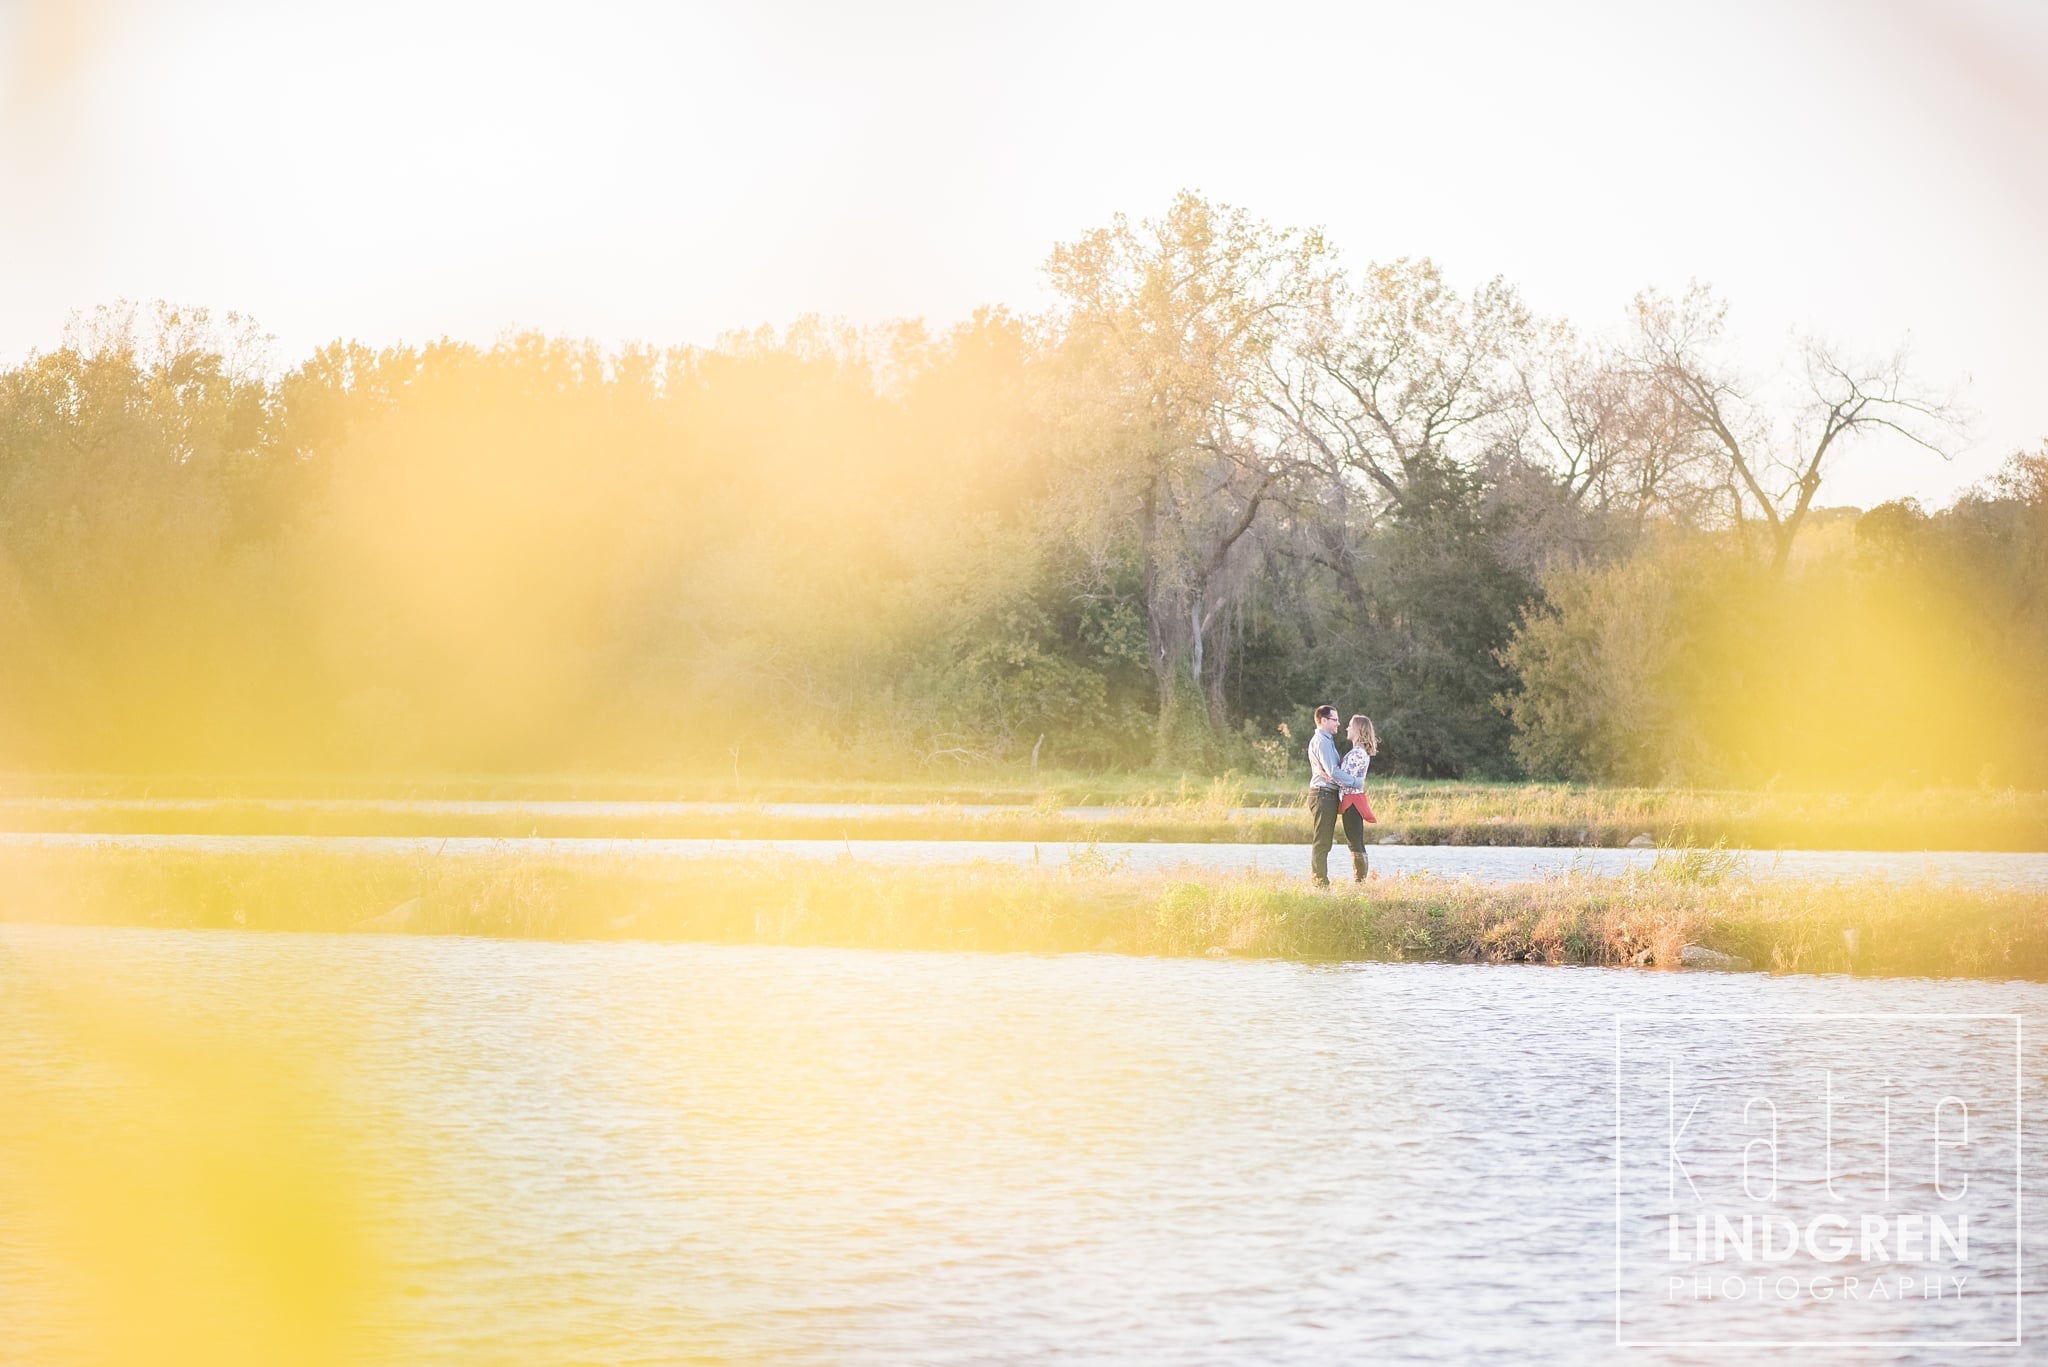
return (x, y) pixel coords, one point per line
(628, 1153)
(1483, 863)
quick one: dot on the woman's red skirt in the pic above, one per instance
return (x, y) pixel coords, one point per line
(1357, 801)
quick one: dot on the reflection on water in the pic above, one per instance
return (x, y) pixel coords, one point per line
(1483, 863)
(657, 1153)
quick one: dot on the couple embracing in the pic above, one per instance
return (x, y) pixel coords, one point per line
(1336, 788)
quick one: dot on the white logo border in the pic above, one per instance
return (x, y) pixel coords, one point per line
(2019, 1178)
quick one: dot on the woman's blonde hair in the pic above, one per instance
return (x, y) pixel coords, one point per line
(1362, 734)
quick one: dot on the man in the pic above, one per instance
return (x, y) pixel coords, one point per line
(1326, 784)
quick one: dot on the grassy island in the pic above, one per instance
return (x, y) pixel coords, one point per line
(1687, 911)
(1115, 808)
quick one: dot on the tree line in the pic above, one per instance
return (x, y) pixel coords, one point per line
(1227, 476)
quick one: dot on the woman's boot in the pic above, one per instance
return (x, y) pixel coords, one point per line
(1358, 866)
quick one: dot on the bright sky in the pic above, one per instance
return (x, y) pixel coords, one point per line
(667, 170)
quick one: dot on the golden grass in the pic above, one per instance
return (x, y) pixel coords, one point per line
(1182, 808)
(1865, 926)
(1955, 819)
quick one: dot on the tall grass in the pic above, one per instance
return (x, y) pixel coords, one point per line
(1867, 926)
(1149, 807)
(1690, 864)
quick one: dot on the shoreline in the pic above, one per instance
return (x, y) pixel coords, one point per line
(1688, 913)
(1140, 825)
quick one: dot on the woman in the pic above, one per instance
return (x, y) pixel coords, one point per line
(1354, 809)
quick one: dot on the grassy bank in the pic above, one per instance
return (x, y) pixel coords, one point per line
(1647, 920)
(1166, 808)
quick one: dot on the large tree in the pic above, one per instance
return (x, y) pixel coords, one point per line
(1396, 374)
(1618, 447)
(1168, 326)
(1774, 445)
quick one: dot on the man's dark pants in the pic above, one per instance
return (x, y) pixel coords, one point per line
(1326, 800)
